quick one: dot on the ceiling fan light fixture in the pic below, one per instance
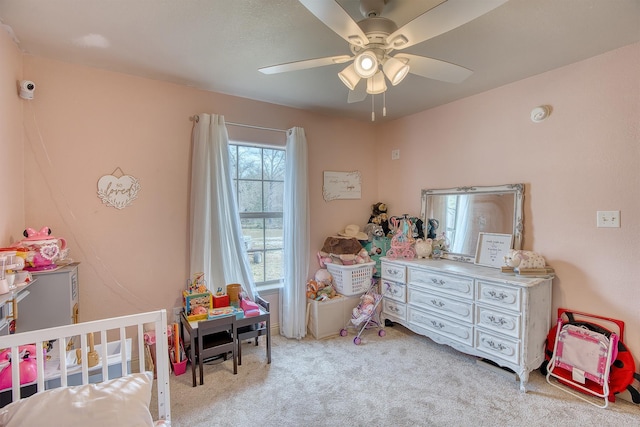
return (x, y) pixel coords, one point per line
(395, 70)
(376, 84)
(366, 64)
(349, 77)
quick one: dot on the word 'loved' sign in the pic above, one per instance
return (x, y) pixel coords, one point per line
(118, 192)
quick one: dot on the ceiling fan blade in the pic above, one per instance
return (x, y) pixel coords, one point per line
(359, 93)
(336, 18)
(435, 69)
(303, 65)
(442, 18)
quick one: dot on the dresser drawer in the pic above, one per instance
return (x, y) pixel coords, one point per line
(498, 346)
(393, 290)
(397, 273)
(447, 328)
(455, 285)
(499, 295)
(505, 323)
(462, 310)
(394, 310)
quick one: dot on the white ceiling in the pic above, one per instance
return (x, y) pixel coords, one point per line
(218, 45)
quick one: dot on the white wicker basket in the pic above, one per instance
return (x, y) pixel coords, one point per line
(352, 279)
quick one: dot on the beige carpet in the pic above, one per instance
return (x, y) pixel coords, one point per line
(398, 380)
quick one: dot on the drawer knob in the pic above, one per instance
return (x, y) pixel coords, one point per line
(438, 325)
(437, 303)
(438, 281)
(500, 296)
(498, 346)
(500, 321)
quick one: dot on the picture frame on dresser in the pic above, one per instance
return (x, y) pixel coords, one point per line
(492, 248)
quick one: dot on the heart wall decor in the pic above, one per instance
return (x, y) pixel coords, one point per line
(118, 192)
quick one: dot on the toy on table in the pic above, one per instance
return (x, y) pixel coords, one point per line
(197, 285)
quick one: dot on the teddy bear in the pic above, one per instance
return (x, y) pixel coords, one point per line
(379, 216)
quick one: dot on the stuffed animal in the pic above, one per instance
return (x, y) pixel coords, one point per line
(341, 246)
(524, 259)
(363, 257)
(324, 285)
(324, 259)
(326, 293)
(379, 216)
(423, 248)
(373, 230)
(323, 277)
(312, 289)
(438, 246)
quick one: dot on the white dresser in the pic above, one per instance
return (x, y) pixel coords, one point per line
(474, 309)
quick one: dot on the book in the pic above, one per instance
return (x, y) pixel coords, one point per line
(535, 271)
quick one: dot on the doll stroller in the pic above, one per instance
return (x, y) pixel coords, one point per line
(366, 315)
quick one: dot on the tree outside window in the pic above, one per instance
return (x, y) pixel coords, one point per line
(258, 178)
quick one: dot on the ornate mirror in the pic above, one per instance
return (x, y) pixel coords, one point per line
(463, 212)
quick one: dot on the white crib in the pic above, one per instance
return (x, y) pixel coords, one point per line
(110, 392)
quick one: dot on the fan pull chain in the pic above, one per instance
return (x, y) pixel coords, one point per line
(373, 112)
(384, 104)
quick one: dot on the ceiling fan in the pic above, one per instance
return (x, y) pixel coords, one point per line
(373, 39)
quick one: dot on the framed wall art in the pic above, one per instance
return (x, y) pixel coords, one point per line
(341, 185)
(492, 248)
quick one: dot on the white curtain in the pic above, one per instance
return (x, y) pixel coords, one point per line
(216, 235)
(293, 301)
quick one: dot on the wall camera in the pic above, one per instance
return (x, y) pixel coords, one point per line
(27, 87)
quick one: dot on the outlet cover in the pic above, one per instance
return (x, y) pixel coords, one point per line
(608, 219)
(395, 154)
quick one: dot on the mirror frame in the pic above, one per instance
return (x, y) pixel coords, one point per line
(518, 225)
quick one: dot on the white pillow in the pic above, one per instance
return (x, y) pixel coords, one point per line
(119, 402)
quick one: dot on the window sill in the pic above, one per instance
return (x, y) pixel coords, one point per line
(271, 288)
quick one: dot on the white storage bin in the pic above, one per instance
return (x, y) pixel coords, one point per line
(326, 318)
(352, 279)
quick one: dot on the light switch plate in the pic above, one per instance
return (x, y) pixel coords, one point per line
(608, 219)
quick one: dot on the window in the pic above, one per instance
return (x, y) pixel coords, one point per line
(258, 179)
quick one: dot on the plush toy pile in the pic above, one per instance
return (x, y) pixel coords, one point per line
(379, 217)
(344, 248)
(321, 288)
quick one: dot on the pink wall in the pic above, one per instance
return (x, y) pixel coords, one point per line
(84, 123)
(584, 158)
(11, 146)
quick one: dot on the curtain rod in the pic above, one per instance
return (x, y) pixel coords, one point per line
(255, 127)
(242, 125)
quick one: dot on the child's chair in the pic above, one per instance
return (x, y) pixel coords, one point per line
(587, 355)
